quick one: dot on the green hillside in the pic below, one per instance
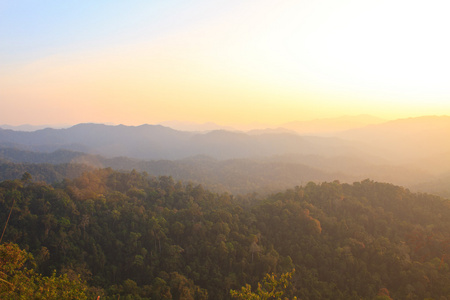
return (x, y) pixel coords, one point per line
(138, 236)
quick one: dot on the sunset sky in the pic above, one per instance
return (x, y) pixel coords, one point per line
(229, 62)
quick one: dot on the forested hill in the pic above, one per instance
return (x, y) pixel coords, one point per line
(408, 152)
(237, 176)
(143, 237)
(234, 176)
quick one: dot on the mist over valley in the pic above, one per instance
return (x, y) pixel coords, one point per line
(409, 152)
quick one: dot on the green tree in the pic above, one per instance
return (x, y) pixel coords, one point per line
(271, 287)
(19, 282)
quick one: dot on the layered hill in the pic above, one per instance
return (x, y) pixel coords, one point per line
(411, 152)
(159, 142)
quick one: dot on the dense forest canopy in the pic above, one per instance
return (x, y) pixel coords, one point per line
(138, 236)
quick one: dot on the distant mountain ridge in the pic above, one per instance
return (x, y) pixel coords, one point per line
(422, 141)
(331, 126)
(99, 139)
(28, 127)
(407, 152)
(192, 126)
(159, 142)
(324, 126)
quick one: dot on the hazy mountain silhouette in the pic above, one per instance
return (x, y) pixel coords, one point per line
(330, 126)
(143, 141)
(28, 127)
(409, 152)
(422, 142)
(192, 126)
(159, 142)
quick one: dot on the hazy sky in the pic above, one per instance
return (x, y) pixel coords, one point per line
(229, 62)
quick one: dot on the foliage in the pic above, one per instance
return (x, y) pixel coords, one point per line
(135, 236)
(50, 173)
(270, 288)
(19, 282)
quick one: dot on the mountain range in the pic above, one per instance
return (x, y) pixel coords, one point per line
(413, 152)
(159, 142)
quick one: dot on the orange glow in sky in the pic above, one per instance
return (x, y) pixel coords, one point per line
(240, 62)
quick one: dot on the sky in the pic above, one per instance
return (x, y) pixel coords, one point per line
(229, 62)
